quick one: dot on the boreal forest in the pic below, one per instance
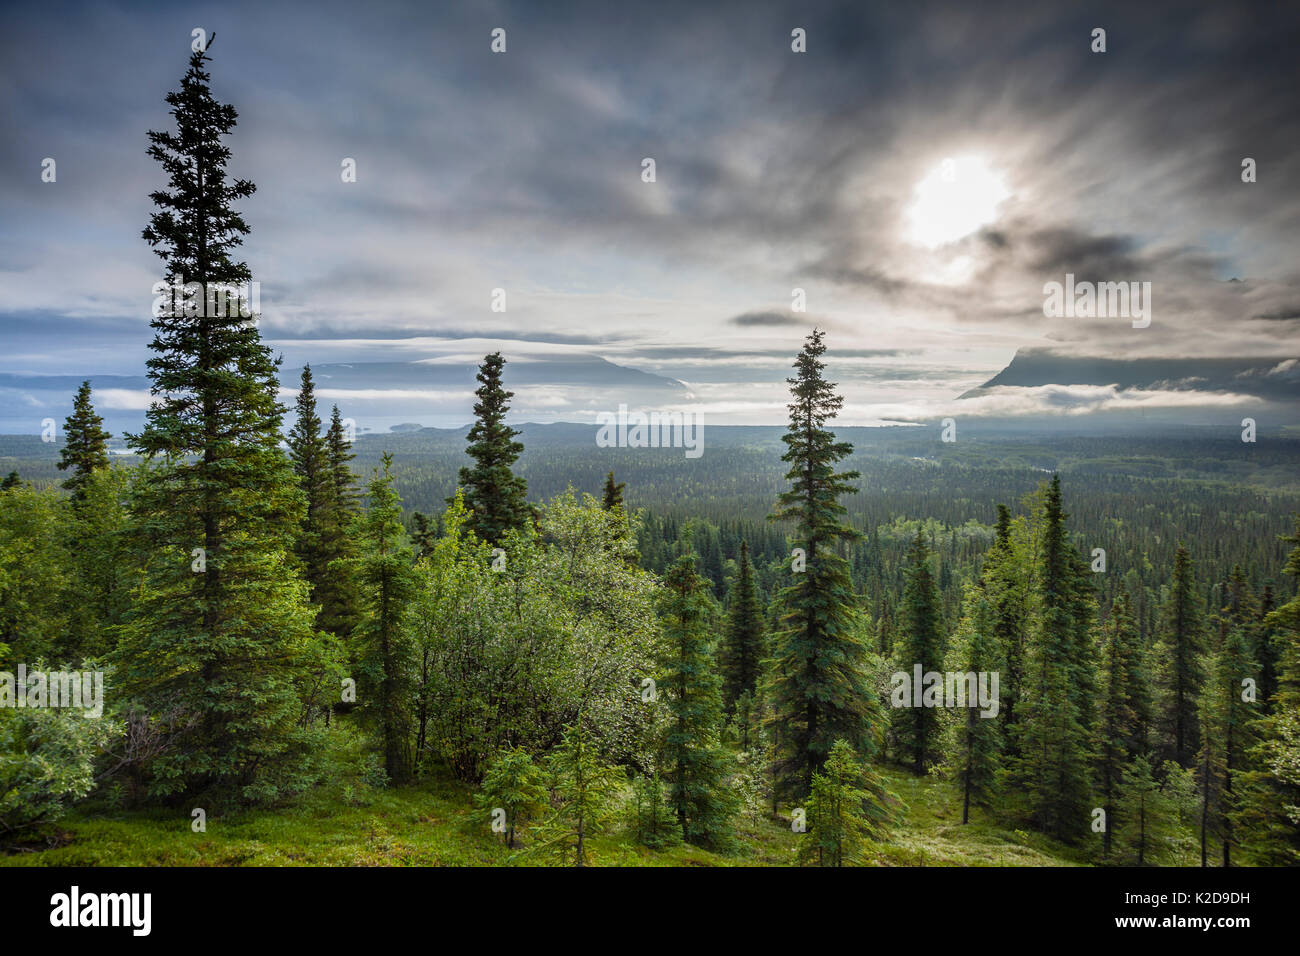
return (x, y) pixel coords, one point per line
(816, 644)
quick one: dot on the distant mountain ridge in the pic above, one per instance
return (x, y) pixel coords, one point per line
(1271, 379)
(378, 395)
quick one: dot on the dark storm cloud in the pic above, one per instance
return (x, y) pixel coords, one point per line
(1287, 314)
(1058, 250)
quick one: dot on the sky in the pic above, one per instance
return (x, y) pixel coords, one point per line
(920, 172)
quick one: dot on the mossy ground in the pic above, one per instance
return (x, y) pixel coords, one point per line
(345, 823)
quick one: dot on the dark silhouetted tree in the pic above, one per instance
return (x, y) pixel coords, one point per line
(613, 493)
(85, 443)
(922, 644)
(492, 491)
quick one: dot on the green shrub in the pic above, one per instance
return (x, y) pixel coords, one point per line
(47, 760)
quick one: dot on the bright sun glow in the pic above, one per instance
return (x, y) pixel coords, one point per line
(958, 197)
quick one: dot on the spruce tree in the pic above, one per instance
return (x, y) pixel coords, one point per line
(974, 752)
(653, 820)
(613, 498)
(1085, 639)
(85, 444)
(849, 808)
(338, 449)
(1180, 651)
(1266, 649)
(822, 683)
(515, 786)
(383, 644)
(1125, 712)
(742, 650)
(1227, 737)
(1005, 578)
(336, 591)
(1146, 818)
(1052, 771)
(99, 562)
(221, 626)
(1241, 607)
(494, 494)
(917, 728)
(583, 787)
(310, 457)
(694, 759)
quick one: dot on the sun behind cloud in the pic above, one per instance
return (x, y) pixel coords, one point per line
(956, 198)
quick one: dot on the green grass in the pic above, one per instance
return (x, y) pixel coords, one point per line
(344, 823)
(932, 833)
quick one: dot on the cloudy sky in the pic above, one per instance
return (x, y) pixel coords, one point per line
(774, 170)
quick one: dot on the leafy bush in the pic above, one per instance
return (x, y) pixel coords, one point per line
(47, 760)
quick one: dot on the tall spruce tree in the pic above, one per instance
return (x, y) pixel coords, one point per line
(310, 456)
(1005, 579)
(743, 646)
(918, 728)
(494, 494)
(822, 682)
(1052, 771)
(1084, 639)
(221, 624)
(1227, 721)
(1209, 763)
(384, 645)
(335, 590)
(694, 759)
(1180, 652)
(85, 444)
(1122, 731)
